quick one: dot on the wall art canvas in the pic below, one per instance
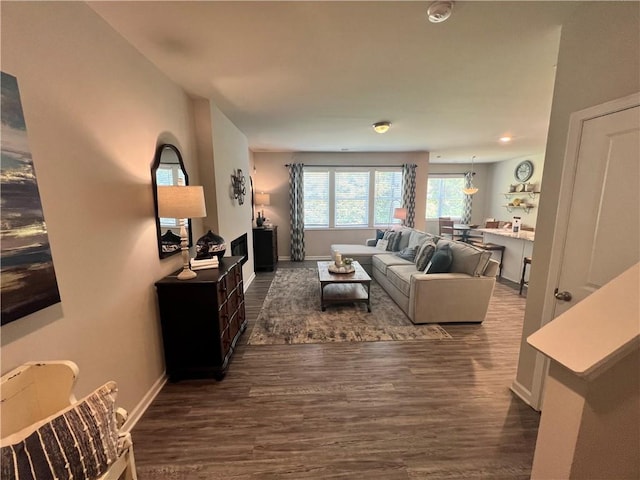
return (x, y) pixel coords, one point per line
(27, 277)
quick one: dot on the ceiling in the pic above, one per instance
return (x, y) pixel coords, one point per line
(314, 76)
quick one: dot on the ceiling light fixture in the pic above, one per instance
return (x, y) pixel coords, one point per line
(505, 139)
(470, 190)
(381, 127)
(439, 11)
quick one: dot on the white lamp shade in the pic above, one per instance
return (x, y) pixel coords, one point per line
(400, 213)
(263, 199)
(181, 202)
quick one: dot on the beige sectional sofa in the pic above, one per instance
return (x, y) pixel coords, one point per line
(460, 295)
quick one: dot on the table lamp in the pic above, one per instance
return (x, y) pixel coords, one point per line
(400, 213)
(182, 202)
(262, 199)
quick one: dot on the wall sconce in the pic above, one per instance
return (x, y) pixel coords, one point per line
(262, 199)
(182, 202)
(237, 185)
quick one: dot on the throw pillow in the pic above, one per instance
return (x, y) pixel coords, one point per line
(392, 239)
(380, 234)
(405, 236)
(382, 244)
(425, 252)
(408, 253)
(89, 442)
(396, 242)
(441, 261)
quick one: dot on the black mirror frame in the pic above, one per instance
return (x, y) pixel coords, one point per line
(154, 167)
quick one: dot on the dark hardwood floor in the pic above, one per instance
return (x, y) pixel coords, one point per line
(437, 409)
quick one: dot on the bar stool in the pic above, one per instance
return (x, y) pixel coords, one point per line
(526, 261)
(491, 247)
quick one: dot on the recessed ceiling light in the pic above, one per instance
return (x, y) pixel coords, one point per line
(381, 127)
(505, 139)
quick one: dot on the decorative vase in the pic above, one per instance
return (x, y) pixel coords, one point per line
(209, 245)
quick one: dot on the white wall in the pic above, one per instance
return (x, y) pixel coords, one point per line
(271, 176)
(95, 110)
(599, 60)
(501, 175)
(231, 152)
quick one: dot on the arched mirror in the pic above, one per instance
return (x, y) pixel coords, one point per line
(168, 169)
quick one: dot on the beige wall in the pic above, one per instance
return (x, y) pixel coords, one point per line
(95, 110)
(501, 175)
(599, 60)
(271, 176)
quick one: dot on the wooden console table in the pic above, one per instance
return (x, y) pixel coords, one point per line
(202, 320)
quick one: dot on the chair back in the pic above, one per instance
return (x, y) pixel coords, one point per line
(445, 226)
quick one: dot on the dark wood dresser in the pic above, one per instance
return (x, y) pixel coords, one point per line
(202, 320)
(265, 248)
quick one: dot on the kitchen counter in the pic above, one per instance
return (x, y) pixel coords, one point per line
(517, 246)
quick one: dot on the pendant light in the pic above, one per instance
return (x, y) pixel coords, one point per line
(471, 189)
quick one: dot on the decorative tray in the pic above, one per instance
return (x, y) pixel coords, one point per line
(344, 269)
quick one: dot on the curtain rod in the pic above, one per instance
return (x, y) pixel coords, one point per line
(346, 166)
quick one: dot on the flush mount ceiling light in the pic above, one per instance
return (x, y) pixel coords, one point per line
(439, 11)
(381, 127)
(505, 139)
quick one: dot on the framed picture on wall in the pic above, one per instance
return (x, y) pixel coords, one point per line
(28, 280)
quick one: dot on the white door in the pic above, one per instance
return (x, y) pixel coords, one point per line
(597, 228)
(603, 228)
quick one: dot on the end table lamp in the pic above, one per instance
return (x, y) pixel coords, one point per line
(401, 214)
(182, 202)
(262, 199)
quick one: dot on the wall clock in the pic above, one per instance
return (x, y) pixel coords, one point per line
(523, 171)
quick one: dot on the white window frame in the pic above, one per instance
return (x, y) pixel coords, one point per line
(371, 204)
(441, 176)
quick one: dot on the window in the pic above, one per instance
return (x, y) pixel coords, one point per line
(350, 198)
(445, 197)
(316, 199)
(388, 195)
(167, 175)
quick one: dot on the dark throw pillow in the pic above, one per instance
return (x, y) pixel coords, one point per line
(441, 261)
(379, 234)
(408, 253)
(425, 252)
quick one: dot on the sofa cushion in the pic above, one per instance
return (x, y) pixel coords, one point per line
(467, 258)
(384, 260)
(408, 253)
(441, 260)
(416, 238)
(405, 237)
(400, 277)
(424, 254)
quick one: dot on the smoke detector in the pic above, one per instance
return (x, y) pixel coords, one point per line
(439, 11)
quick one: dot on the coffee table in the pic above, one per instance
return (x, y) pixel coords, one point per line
(343, 287)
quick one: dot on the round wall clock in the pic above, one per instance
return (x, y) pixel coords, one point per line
(523, 171)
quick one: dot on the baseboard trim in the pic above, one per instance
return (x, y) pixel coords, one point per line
(149, 397)
(523, 394)
(249, 280)
(319, 257)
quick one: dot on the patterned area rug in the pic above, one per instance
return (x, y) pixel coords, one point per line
(291, 314)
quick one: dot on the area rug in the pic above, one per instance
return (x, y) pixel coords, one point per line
(291, 314)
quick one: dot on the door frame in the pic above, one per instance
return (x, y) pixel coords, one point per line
(565, 197)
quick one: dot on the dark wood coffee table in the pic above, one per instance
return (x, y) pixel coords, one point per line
(343, 287)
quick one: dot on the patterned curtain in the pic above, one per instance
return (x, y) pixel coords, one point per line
(468, 199)
(409, 193)
(296, 211)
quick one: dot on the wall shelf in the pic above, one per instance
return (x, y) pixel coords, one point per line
(511, 208)
(529, 194)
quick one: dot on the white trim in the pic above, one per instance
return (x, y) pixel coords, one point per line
(570, 165)
(319, 257)
(252, 277)
(525, 395)
(143, 405)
